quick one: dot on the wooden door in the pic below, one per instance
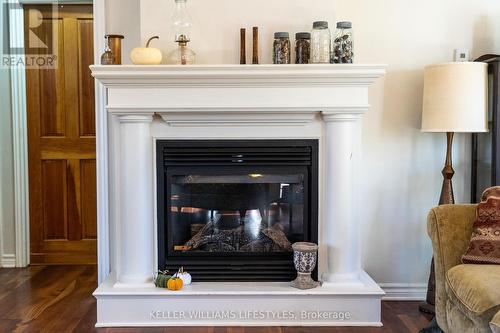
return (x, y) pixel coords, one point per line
(61, 141)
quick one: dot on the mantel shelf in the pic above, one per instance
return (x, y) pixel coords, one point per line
(237, 75)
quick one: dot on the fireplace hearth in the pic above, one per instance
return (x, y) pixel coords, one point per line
(229, 210)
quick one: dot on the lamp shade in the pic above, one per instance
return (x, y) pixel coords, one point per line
(455, 97)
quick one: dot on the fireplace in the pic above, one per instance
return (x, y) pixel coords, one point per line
(229, 210)
(225, 131)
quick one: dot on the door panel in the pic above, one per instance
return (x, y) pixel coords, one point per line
(88, 190)
(61, 142)
(53, 196)
(86, 88)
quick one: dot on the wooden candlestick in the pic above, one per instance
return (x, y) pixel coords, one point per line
(255, 46)
(243, 55)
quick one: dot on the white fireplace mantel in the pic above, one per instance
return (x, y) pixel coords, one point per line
(238, 95)
(146, 103)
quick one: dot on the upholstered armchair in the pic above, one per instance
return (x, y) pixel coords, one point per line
(467, 296)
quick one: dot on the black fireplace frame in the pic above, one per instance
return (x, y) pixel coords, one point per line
(229, 266)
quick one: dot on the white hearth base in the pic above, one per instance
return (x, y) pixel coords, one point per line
(240, 304)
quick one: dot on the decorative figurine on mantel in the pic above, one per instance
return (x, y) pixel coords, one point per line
(304, 259)
(146, 55)
(184, 276)
(161, 278)
(181, 23)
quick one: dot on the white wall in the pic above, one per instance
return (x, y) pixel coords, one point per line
(401, 173)
(7, 236)
(402, 166)
(122, 17)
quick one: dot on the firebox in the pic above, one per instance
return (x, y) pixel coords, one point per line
(229, 210)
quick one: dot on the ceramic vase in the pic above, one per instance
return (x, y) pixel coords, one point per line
(304, 258)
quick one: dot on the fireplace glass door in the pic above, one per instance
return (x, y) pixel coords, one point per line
(236, 213)
(231, 211)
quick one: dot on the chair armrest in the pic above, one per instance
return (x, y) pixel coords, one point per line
(450, 229)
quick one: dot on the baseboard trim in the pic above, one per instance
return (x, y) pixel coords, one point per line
(404, 291)
(8, 261)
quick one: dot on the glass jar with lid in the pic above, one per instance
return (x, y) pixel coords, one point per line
(302, 47)
(320, 43)
(281, 48)
(343, 44)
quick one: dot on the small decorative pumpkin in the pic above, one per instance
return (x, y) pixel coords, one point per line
(184, 276)
(174, 283)
(161, 278)
(146, 55)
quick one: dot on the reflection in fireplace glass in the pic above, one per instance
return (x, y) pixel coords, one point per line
(237, 213)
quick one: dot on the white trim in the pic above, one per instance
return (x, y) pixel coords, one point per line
(20, 145)
(8, 261)
(404, 291)
(103, 253)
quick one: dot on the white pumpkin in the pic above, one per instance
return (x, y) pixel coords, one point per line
(184, 276)
(146, 55)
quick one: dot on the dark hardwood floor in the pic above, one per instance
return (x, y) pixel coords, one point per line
(59, 299)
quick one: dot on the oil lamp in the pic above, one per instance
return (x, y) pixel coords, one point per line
(181, 24)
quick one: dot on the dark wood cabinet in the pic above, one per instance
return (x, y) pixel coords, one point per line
(485, 149)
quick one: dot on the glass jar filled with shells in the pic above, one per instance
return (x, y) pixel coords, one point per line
(281, 48)
(302, 47)
(343, 44)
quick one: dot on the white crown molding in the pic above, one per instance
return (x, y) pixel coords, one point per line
(8, 261)
(245, 116)
(239, 118)
(404, 291)
(237, 75)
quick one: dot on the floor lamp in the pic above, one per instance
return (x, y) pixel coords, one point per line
(455, 100)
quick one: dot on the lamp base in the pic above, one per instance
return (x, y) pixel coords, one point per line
(446, 198)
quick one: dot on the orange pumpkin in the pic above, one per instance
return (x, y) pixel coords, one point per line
(174, 283)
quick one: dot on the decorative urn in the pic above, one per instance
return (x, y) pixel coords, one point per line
(304, 258)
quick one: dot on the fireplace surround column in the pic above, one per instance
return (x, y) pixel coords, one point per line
(341, 224)
(135, 219)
